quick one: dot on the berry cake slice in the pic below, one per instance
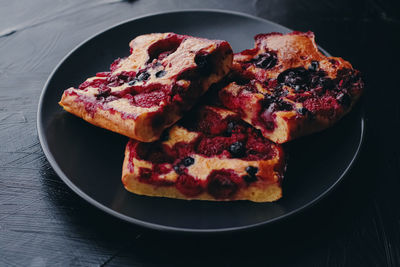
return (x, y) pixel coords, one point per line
(149, 91)
(209, 155)
(287, 88)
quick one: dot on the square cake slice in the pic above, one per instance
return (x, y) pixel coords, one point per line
(150, 90)
(211, 154)
(287, 88)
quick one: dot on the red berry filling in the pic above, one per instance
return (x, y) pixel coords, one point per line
(310, 85)
(319, 94)
(149, 99)
(115, 64)
(144, 94)
(223, 184)
(325, 96)
(227, 137)
(266, 60)
(189, 186)
(147, 175)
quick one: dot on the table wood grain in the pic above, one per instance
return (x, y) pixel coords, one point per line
(43, 223)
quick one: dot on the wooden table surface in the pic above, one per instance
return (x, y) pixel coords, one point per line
(44, 223)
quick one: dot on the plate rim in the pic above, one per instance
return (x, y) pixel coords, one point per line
(53, 163)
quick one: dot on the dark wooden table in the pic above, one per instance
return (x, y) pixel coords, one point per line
(43, 223)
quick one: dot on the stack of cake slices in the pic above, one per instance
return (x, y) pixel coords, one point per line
(189, 144)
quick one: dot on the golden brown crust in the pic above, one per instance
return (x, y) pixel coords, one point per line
(255, 193)
(180, 76)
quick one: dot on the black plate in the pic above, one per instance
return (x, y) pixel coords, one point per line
(89, 159)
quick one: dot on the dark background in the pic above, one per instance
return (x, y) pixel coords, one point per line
(43, 223)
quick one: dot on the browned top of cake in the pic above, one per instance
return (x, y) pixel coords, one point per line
(285, 77)
(163, 77)
(160, 70)
(276, 52)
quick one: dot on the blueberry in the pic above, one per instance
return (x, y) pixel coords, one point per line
(160, 73)
(318, 79)
(251, 170)
(328, 84)
(143, 76)
(321, 81)
(314, 66)
(279, 91)
(188, 161)
(103, 92)
(177, 169)
(297, 78)
(203, 64)
(132, 82)
(265, 60)
(283, 105)
(230, 128)
(302, 111)
(249, 179)
(344, 99)
(237, 149)
(301, 79)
